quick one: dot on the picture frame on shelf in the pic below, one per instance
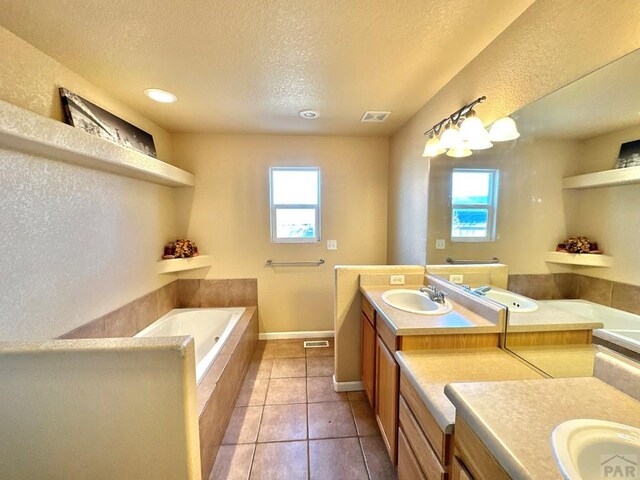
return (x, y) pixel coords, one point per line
(87, 116)
(629, 155)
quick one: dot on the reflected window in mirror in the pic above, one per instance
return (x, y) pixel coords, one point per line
(474, 203)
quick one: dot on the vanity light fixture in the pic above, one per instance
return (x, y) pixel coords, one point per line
(503, 130)
(450, 137)
(161, 96)
(459, 151)
(463, 131)
(433, 148)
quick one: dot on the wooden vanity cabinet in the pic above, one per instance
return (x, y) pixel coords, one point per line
(380, 375)
(472, 460)
(368, 358)
(425, 441)
(386, 405)
(368, 350)
(381, 379)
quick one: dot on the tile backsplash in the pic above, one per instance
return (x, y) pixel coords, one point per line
(129, 319)
(558, 286)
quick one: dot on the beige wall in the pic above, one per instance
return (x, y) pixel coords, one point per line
(227, 214)
(550, 45)
(530, 219)
(78, 242)
(607, 215)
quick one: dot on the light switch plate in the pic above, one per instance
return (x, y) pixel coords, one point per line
(440, 244)
(332, 244)
(396, 279)
(456, 278)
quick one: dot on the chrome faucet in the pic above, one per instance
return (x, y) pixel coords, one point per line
(478, 291)
(434, 294)
(482, 290)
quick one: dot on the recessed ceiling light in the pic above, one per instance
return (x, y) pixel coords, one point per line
(309, 114)
(161, 96)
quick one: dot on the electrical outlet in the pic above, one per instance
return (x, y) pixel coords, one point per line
(396, 279)
(456, 278)
(440, 244)
(332, 244)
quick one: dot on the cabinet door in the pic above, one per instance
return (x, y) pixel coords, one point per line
(368, 359)
(386, 409)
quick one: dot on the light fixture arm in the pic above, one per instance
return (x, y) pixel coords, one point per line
(455, 117)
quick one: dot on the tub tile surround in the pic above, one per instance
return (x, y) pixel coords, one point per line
(316, 434)
(133, 317)
(220, 388)
(560, 286)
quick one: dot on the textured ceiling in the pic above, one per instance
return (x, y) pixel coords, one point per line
(601, 102)
(251, 65)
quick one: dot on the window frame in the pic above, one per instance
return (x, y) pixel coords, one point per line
(273, 207)
(491, 207)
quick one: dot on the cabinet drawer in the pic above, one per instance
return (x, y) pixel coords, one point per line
(426, 457)
(368, 310)
(440, 443)
(408, 468)
(458, 472)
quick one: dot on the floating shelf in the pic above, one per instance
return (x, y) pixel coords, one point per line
(619, 176)
(586, 259)
(25, 131)
(181, 264)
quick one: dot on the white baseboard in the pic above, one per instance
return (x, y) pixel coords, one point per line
(347, 386)
(288, 335)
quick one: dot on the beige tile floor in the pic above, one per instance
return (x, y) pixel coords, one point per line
(289, 424)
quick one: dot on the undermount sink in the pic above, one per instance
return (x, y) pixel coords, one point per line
(414, 301)
(595, 449)
(515, 302)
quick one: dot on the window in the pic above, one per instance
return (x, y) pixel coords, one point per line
(295, 204)
(474, 201)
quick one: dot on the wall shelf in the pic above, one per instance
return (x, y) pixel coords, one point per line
(619, 176)
(24, 131)
(173, 265)
(586, 259)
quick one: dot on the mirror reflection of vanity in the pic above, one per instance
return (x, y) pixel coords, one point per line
(559, 180)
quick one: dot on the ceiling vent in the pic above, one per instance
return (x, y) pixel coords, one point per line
(372, 116)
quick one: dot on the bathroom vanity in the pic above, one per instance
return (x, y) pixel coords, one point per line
(386, 330)
(427, 417)
(504, 429)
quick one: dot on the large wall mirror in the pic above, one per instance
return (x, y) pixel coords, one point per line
(576, 130)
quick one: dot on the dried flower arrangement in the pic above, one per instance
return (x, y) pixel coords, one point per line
(182, 248)
(578, 244)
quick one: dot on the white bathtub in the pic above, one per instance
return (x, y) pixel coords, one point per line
(209, 327)
(620, 327)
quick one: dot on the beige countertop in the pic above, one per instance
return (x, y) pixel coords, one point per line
(460, 320)
(548, 318)
(515, 419)
(430, 371)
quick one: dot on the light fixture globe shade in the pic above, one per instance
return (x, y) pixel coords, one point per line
(459, 151)
(480, 144)
(433, 148)
(450, 137)
(503, 130)
(473, 130)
